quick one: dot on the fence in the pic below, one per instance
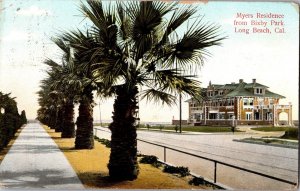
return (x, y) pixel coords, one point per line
(216, 163)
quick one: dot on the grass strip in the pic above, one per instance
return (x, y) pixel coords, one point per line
(91, 168)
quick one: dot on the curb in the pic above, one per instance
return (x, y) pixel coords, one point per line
(267, 144)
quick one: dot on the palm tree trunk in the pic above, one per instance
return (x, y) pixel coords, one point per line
(52, 120)
(84, 133)
(59, 120)
(123, 157)
(68, 130)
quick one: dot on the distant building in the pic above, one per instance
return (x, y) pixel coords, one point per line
(237, 104)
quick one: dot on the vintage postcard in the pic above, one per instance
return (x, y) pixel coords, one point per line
(149, 94)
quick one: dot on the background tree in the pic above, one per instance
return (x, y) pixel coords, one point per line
(56, 93)
(23, 117)
(82, 81)
(10, 120)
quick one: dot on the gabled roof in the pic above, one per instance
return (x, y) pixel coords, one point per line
(241, 89)
(271, 94)
(255, 85)
(217, 86)
(229, 86)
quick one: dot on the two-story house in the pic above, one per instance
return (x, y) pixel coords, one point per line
(237, 104)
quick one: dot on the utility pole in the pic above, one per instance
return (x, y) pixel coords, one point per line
(180, 112)
(179, 105)
(100, 114)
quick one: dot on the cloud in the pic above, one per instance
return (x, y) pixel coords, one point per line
(33, 11)
(188, 1)
(15, 35)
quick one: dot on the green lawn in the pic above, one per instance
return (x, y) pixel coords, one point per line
(272, 128)
(101, 124)
(290, 132)
(270, 141)
(207, 129)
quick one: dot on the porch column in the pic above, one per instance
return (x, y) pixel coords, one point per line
(238, 117)
(204, 114)
(290, 115)
(275, 116)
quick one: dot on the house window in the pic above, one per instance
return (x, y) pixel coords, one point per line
(258, 91)
(231, 102)
(221, 92)
(251, 101)
(248, 116)
(245, 101)
(248, 101)
(222, 115)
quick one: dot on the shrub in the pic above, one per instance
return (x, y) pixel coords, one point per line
(105, 142)
(197, 181)
(291, 133)
(183, 171)
(267, 141)
(149, 159)
(176, 128)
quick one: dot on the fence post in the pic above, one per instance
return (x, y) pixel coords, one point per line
(215, 174)
(165, 155)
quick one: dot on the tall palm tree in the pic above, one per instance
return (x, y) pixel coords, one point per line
(139, 45)
(48, 105)
(81, 42)
(56, 93)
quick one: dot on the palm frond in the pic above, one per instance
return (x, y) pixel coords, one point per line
(180, 16)
(192, 47)
(158, 96)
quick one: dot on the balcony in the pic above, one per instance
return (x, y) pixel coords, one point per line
(196, 111)
(231, 107)
(248, 106)
(283, 106)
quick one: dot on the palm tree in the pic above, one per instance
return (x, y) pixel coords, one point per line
(137, 45)
(57, 98)
(85, 85)
(47, 112)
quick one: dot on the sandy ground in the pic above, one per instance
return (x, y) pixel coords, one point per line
(91, 168)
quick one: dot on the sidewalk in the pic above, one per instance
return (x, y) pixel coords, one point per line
(35, 161)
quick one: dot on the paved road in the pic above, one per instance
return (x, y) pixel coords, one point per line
(274, 161)
(35, 161)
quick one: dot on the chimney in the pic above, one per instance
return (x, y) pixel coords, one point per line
(254, 81)
(241, 81)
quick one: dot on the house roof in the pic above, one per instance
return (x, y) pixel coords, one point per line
(229, 86)
(255, 85)
(241, 89)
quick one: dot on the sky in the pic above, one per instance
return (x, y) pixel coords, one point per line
(26, 28)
